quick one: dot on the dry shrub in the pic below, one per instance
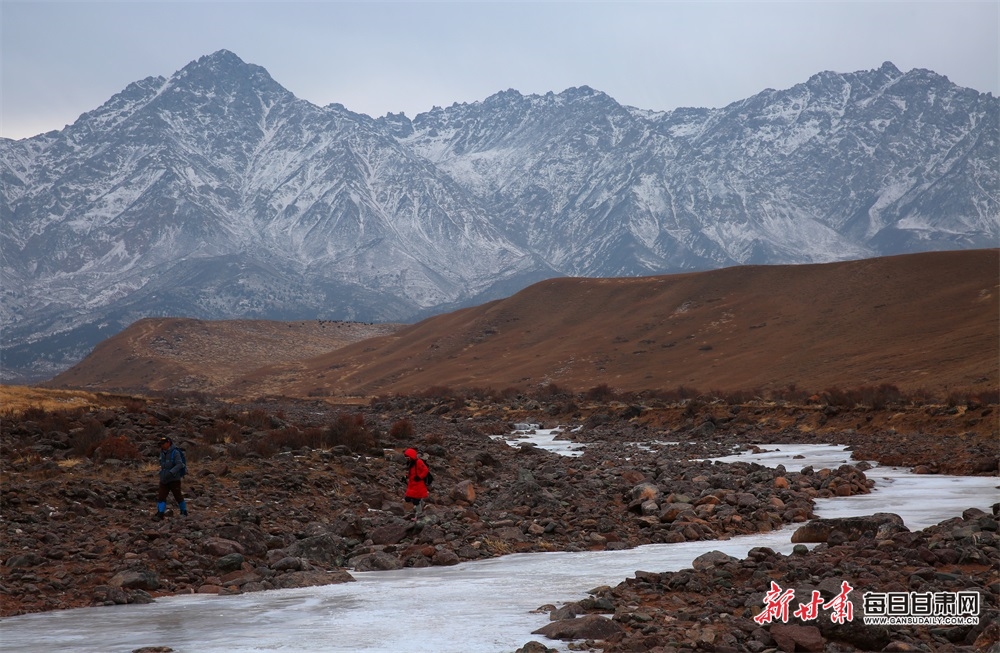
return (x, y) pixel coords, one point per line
(736, 397)
(601, 392)
(222, 432)
(508, 393)
(54, 420)
(497, 546)
(256, 418)
(881, 396)
(134, 405)
(85, 440)
(967, 399)
(876, 397)
(263, 447)
(920, 397)
(292, 437)
(552, 391)
(350, 431)
(791, 394)
(989, 396)
(693, 407)
(118, 447)
(678, 394)
(837, 397)
(196, 452)
(482, 394)
(34, 414)
(437, 392)
(401, 430)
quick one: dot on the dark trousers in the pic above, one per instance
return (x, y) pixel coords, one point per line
(168, 488)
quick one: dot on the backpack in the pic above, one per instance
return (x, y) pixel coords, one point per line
(184, 464)
(429, 479)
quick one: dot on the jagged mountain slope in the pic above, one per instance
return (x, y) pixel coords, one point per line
(926, 321)
(216, 193)
(842, 166)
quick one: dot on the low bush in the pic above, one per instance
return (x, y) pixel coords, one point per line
(601, 392)
(350, 431)
(222, 432)
(118, 447)
(84, 440)
(401, 430)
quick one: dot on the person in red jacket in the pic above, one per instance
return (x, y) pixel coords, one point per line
(416, 481)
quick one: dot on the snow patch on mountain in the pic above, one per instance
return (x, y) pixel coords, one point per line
(217, 193)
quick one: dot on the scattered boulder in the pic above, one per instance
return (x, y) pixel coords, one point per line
(377, 561)
(878, 526)
(135, 579)
(793, 638)
(592, 626)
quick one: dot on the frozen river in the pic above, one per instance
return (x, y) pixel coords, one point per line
(476, 607)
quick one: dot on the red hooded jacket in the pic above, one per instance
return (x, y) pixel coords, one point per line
(415, 486)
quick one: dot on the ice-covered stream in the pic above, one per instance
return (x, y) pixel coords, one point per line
(476, 607)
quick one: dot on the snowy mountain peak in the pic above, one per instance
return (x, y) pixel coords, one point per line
(216, 193)
(889, 69)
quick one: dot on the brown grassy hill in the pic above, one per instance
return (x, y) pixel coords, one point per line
(920, 322)
(179, 354)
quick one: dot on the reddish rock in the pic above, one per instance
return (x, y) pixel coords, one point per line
(791, 638)
(592, 626)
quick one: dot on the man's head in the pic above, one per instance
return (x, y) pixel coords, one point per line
(411, 454)
(165, 443)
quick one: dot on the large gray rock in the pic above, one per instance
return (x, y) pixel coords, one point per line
(390, 533)
(247, 533)
(230, 562)
(592, 626)
(849, 529)
(378, 561)
(327, 550)
(217, 546)
(143, 579)
(312, 578)
(711, 559)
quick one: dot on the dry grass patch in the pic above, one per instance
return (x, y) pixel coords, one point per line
(16, 399)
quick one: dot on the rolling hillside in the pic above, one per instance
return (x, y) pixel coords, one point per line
(921, 321)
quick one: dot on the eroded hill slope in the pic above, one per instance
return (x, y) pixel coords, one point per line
(923, 321)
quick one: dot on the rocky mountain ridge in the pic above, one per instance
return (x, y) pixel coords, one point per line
(216, 193)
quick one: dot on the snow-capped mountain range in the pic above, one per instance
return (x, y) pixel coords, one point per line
(216, 193)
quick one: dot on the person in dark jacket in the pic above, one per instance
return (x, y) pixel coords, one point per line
(416, 481)
(172, 468)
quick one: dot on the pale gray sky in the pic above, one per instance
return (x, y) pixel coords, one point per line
(60, 59)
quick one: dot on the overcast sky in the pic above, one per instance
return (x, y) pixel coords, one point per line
(60, 59)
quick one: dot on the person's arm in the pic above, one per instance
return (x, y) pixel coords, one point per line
(177, 464)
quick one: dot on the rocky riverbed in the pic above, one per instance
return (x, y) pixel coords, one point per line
(292, 494)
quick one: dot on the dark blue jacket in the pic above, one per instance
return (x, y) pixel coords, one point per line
(170, 465)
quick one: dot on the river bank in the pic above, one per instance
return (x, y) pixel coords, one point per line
(486, 606)
(77, 529)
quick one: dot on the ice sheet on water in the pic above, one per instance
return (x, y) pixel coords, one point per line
(543, 439)
(922, 500)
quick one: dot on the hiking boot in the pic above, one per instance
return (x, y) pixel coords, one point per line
(158, 516)
(184, 513)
